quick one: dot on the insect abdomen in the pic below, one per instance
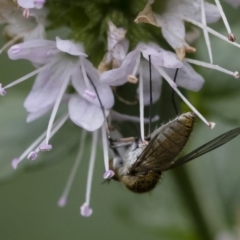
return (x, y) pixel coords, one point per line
(171, 138)
(141, 183)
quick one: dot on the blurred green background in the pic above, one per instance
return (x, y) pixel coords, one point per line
(204, 194)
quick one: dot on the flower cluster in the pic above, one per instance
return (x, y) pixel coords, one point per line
(65, 76)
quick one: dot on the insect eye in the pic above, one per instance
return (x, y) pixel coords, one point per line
(117, 162)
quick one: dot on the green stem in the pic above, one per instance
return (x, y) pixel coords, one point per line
(187, 189)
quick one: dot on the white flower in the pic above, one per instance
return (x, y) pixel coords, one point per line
(19, 28)
(62, 63)
(31, 3)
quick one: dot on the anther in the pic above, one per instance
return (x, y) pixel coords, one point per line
(15, 162)
(32, 155)
(86, 211)
(45, 147)
(231, 37)
(89, 93)
(3, 92)
(211, 125)
(108, 174)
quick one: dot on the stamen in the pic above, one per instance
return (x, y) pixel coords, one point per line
(16, 161)
(134, 72)
(63, 199)
(86, 211)
(25, 77)
(132, 79)
(26, 13)
(10, 43)
(165, 75)
(29, 151)
(84, 74)
(47, 147)
(89, 93)
(212, 66)
(55, 108)
(108, 173)
(206, 36)
(3, 92)
(141, 105)
(231, 36)
(32, 155)
(215, 33)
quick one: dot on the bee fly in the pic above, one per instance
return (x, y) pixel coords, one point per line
(142, 166)
(144, 163)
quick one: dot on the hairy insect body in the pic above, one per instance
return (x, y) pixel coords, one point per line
(142, 166)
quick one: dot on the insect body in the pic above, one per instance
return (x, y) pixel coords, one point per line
(142, 166)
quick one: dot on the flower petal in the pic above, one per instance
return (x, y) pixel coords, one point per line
(47, 86)
(156, 84)
(26, 3)
(187, 77)
(70, 47)
(159, 56)
(234, 3)
(85, 114)
(104, 91)
(37, 51)
(118, 76)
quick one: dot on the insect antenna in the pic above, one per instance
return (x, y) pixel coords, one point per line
(150, 100)
(114, 144)
(173, 93)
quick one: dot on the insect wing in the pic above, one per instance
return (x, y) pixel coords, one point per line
(146, 161)
(207, 147)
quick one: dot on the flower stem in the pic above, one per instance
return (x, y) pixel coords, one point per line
(183, 181)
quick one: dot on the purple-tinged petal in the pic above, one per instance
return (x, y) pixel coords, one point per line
(119, 52)
(187, 77)
(159, 56)
(70, 47)
(39, 3)
(118, 76)
(31, 3)
(37, 51)
(115, 35)
(104, 91)
(47, 86)
(85, 114)
(211, 12)
(26, 3)
(32, 116)
(173, 30)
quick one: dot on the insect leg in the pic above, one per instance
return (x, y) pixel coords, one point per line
(173, 93)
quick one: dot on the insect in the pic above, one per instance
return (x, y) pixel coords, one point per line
(142, 166)
(144, 163)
